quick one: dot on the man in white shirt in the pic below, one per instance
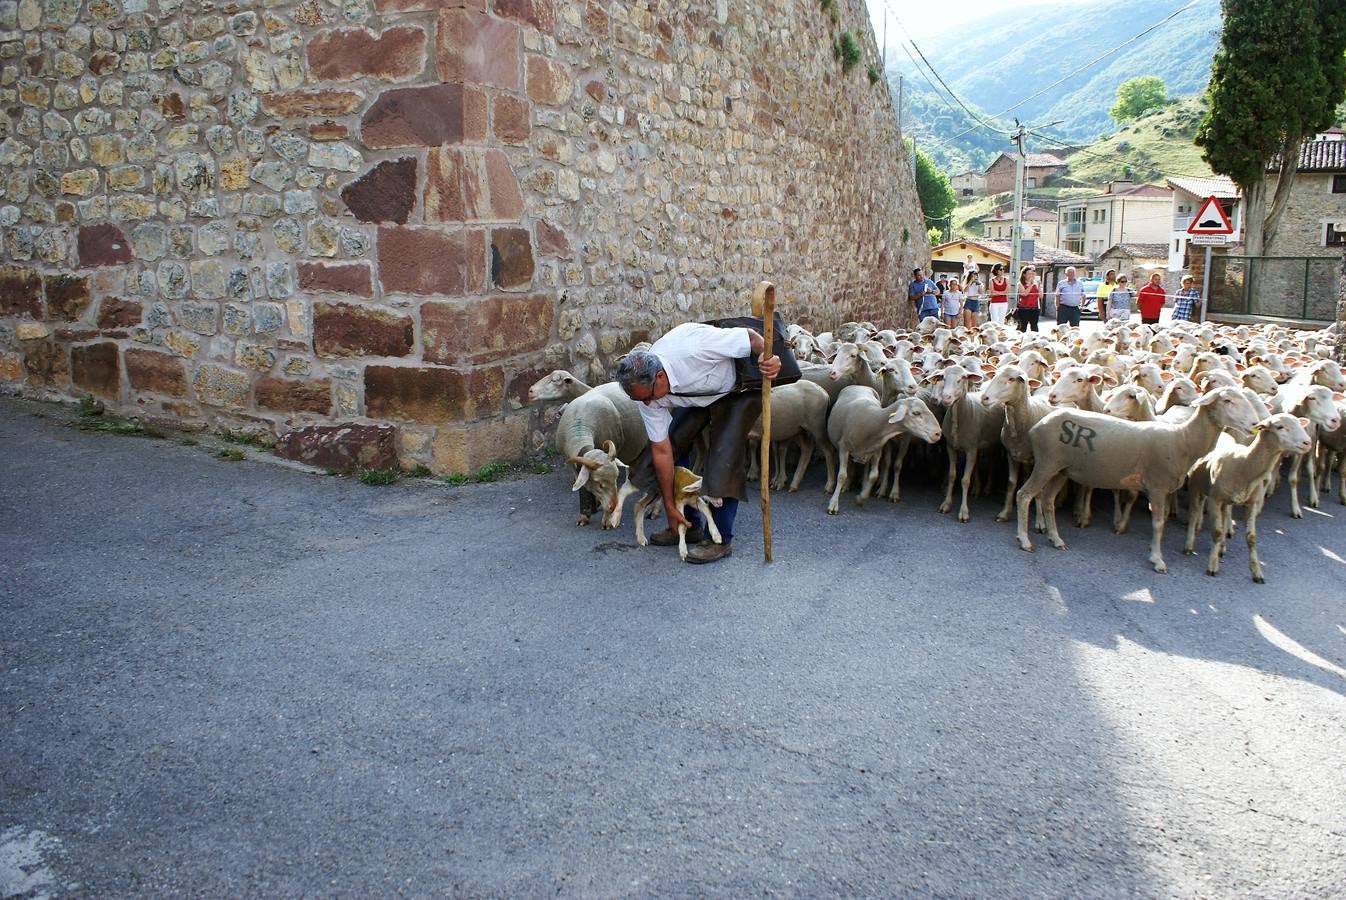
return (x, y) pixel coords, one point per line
(1069, 298)
(685, 383)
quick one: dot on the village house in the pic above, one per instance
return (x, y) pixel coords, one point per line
(950, 257)
(1039, 224)
(1124, 213)
(1188, 196)
(1137, 261)
(968, 184)
(1039, 169)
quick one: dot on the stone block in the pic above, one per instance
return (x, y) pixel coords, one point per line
(157, 373)
(484, 330)
(20, 292)
(103, 245)
(469, 446)
(465, 185)
(539, 14)
(386, 193)
(337, 278)
(114, 312)
(289, 395)
(341, 330)
(341, 448)
(511, 258)
(548, 81)
(46, 363)
(306, 104)
(422, 261)
(415, 117)
(68, 295)
(509, 119)
(475, 48)
(431, 395)
(218, 386)
(11, 367)
(551, 240)
(398, 54)
(97, 369)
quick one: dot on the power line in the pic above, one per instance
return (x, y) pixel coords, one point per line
(1087, 65)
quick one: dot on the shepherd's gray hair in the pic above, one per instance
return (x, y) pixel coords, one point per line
(638, 368)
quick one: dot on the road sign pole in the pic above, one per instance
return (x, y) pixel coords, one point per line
(1205, 285)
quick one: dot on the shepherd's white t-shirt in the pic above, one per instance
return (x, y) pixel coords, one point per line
(698, 359)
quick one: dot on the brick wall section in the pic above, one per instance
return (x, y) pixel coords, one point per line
(404, 211)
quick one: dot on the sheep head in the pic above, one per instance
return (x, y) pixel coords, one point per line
(605, 476)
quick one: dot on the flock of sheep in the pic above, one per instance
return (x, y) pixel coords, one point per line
(1128, 408)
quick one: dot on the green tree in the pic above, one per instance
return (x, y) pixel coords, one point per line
(1277, 78)
(932, 186)
(1138, 95)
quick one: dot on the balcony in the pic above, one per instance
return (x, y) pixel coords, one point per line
(1074, 228)
(1180, 223)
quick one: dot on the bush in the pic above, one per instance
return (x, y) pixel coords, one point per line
(850, 51)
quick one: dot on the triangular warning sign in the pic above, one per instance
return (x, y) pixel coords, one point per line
(1210, 219)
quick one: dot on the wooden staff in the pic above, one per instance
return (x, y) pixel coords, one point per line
(764, 305)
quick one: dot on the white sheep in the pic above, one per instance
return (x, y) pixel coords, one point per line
(559, 385)
(601, 432)
(1319, 405)
(798, 413)
(969, 428)
(686, 494)
(1102, 452)
(859, 426)
(1236, 475)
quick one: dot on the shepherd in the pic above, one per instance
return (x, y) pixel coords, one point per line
(692, 380)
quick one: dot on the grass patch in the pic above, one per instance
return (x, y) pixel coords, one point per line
(455, 478)
(379, 476)
(491, 472)
(88, 406)
(113, 425)
(420, 470)
(232, 454)
(266, 442)
(543, 468)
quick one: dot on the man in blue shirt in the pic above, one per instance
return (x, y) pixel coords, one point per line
(1069, 296)
(1187, 301)
(920, 286)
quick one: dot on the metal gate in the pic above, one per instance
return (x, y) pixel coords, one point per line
(1286, 287)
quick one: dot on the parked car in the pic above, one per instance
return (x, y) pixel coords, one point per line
(1089, 308)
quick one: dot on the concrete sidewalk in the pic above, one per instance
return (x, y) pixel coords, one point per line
(240, 679)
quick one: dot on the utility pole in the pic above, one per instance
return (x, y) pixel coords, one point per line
(1016, 230)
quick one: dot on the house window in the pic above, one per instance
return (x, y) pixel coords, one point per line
(1037, 232)
(1339, 184)
(1336, 234)
(1032, 182)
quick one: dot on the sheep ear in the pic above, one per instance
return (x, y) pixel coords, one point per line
(1338, 396)
(898, 414)
(1095, 378)
(1303, 421)
(1034, 384)
(610, 449)
(581, 479)
(693, 487)
(975, 377)
(1166, 375)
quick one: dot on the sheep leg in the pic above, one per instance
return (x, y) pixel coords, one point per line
(1159, 513)
(871, 476)
(953, 479)
(899, 457)
(969, 468)
(885, 467)
(1196, 515)
(1032, 488)
(682, 541)
(1084, 507)
(588, 506)
(829, 459)
(1254, 509)
(1050, 494)
(1008, 508)
(1218, 535)
(843, 475)
(1120, 526)
(643, 502)
(1295, 510)
(1341, 478)
(754, 454)
(805, 457)
(1311, 465)
(704, 508)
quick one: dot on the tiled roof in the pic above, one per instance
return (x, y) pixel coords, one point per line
(1138, 251)
(1145, 190)
(1041, 255)
(1218, 186)
(1317, 156)
(1031, 160)
(1031, 214)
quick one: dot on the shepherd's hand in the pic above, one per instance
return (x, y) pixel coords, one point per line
(770, 365)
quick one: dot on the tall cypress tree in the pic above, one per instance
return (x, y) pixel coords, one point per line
(1277, 78)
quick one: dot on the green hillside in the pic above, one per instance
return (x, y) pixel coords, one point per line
(1155, 146)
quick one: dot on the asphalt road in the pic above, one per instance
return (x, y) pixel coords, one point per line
(237, 679)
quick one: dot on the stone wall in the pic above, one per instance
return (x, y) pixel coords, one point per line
(1311, 205)
(285, 214)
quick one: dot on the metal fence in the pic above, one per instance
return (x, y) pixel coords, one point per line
(1287, 287)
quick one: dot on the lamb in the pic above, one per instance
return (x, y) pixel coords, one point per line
(686, 493)
(603, 417)
(559, 385)
(969, 428)
(798, 412)
(1102, 452)
(860, 427)
(1236, 475)
(1010, 388)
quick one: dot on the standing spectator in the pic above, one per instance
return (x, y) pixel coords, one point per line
(999, 294)
(1069, 296)
(1119, 301)
(917, 289)
(1187, 302)
(969, 269)
(941, 285)
(1029, 308)
(1104, 290)
(1151, 300)
(953, 303)
(971, 300)
(930, 305)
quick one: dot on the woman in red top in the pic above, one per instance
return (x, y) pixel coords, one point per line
(1151, 300)
(1029, 309)
(999, 294)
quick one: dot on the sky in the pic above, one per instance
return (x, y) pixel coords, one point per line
(924, 18)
